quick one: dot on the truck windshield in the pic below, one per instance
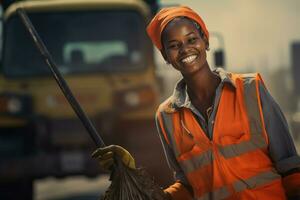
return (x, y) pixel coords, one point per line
(79, 42)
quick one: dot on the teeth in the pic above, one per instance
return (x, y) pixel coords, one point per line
(189, 59)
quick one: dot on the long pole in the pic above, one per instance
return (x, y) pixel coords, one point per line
(60, 80)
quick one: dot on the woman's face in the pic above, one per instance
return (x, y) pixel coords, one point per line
(183, 46)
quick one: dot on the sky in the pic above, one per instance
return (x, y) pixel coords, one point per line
(257, 33)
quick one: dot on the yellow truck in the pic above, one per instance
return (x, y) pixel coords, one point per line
(101, 48)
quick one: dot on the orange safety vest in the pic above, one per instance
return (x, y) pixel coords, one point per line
(235, 164)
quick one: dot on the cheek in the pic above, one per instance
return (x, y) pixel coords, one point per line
(202, 50)
(172, 55)
(172, 59)
(201, 46)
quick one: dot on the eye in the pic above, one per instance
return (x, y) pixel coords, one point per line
(173, 46)
(192, 40)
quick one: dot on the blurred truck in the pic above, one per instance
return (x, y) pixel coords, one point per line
(101, 48)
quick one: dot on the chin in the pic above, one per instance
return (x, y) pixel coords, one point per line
(191, 71)
(197, 68)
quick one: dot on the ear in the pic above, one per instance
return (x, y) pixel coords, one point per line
(206, 42)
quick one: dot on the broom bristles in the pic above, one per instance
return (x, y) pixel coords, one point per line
(132, 184)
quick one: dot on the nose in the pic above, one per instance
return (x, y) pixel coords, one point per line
(184, 48)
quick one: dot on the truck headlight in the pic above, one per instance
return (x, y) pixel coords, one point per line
(15, 104)
(136, 98)
(132, 98)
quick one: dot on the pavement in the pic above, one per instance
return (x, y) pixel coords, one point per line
(77, 187)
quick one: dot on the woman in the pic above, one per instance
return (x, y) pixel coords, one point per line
(223, 135)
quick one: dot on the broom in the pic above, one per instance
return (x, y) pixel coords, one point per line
(126, 183)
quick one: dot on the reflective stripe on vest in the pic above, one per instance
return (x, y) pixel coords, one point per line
(239, 186)
(168, 126)
(255, 181)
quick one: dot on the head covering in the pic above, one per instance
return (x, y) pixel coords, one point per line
(165, 15)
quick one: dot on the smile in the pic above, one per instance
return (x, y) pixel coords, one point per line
(189, 59)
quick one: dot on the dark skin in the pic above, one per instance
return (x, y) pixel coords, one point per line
(185, 49)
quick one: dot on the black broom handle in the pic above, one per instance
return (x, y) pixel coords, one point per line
(60, 80)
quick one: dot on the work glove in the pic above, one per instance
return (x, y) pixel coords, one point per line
(106, 156)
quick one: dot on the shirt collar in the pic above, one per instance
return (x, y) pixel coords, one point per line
(180, 97)
(225, 76)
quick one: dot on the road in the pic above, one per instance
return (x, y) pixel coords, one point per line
(71, 188)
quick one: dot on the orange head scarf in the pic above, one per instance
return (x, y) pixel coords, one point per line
(165, 15)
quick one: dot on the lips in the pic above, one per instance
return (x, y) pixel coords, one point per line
(188, 59)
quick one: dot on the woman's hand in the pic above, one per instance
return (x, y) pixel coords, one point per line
(105, 156)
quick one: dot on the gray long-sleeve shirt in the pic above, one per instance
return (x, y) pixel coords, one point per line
(281, 146)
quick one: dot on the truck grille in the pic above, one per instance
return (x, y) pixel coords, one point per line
(69, 133)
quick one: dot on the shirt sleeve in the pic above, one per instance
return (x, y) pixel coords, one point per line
(281, 146)
(171, 159)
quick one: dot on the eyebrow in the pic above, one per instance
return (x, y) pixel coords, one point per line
(172, 41)
(190, 33)
(185, 35)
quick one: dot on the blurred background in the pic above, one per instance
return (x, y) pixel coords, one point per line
(102, 50)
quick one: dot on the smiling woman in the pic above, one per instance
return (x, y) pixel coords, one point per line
(217, 112)
(178, 36)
